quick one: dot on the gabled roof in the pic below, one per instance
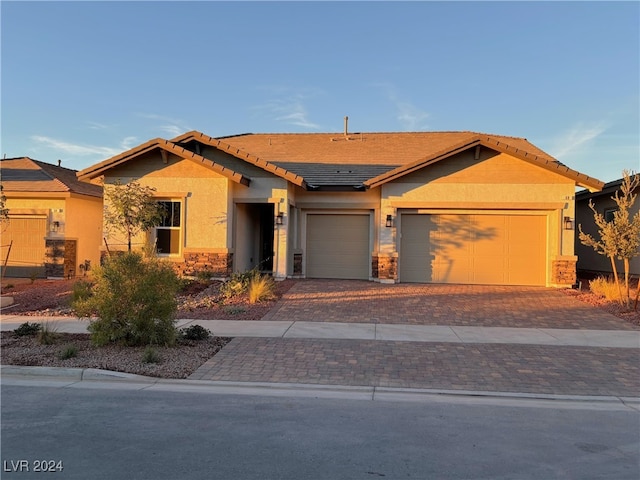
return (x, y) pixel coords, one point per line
(241, 154)
(516, 147)
(335, 160)
(165, 146)
(399, 152)
(25, 175)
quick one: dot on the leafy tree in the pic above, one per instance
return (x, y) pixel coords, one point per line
(619, 237)
(134, 299)
(4, 211)
(131, 209)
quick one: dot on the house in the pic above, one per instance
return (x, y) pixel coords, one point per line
(591, 263)
(445, 207)
(55, 220)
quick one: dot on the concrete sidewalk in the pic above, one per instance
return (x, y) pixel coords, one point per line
(376, 331)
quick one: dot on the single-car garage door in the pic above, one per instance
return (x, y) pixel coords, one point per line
(26, 235)
(473, 249)
(338, 246)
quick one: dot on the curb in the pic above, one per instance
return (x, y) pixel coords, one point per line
(88, 377)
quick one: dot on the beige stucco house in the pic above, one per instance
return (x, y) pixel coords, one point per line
(55, 221)
(446, 207)
(589, 261)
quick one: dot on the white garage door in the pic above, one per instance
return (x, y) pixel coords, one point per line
(338, 246)
(26, 235)
(473, 249)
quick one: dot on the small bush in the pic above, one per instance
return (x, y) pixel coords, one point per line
(234, 309)
(27, 329)
(150, 355)
(10, 286)
(261, 288)
(195, 332)
(605, 288)
(67, 352)
(238, 283)
(82, 290)
(204, 276)
(134, 299)
(48, 334)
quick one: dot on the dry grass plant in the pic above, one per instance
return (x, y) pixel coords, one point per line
(261, 288)
(605, 288)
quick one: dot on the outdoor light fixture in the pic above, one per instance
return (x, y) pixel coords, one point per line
(280, 218)
(55, 226)
(568, 223)
(389, 222)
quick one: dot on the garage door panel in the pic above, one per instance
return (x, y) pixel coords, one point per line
(338, 246)
(26, 238)
(478, 249)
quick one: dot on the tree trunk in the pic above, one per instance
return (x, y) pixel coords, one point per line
(626, 282)
(615, 276)
(635, 306)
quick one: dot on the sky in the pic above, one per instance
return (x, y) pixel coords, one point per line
(83, 81)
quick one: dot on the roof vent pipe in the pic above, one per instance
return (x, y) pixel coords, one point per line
(346, 126)
(59, 162)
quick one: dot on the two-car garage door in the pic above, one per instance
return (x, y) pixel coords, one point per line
(473, 249)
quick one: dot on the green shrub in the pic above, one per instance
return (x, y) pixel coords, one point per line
(67, 352)
(234, 309)
(204, 276)
(261, 288)
(238, 284)
(605, 288)
(48, 335)
(195, 332)
(134, 299)
(82, 290)
(27, 329)
(150, 355)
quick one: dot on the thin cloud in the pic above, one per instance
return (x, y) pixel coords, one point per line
(577, 137)
(171, 126)
(408, 115)
(74, 149)
(128, 142)
(289, 108)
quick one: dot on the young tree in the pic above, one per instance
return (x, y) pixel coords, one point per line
(619, 237)
(131, 209)
(4, 211)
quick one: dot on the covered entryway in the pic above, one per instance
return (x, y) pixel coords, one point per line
(26, 235)
(482, 249)
(338, 246)
(254, 237)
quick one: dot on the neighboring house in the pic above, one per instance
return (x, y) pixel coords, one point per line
(55, 220)
(445, 207)
(589, 261)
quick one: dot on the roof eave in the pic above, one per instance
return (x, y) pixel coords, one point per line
(242, 155)
(102, 167)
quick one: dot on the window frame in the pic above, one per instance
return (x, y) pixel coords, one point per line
(178, 228)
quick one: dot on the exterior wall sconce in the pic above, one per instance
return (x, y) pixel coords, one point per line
(280, 218)
(389, 222)
(568, 223)
(55, 226)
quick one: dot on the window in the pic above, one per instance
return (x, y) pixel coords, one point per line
(168, 232)
(608, 214)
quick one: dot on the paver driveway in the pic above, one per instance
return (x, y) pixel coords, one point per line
(354, 301)
(524, 368)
